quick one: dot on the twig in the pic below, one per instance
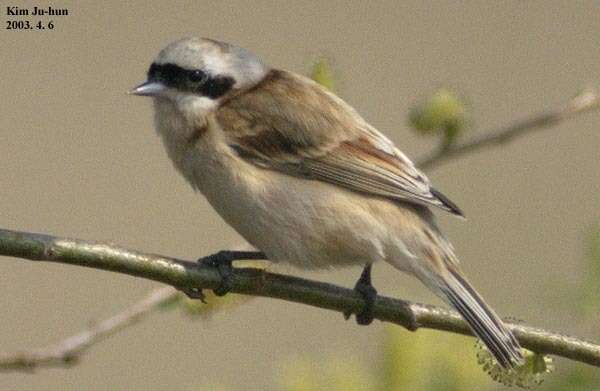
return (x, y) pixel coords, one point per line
(68, 351)
(191, 278)
(584, 102)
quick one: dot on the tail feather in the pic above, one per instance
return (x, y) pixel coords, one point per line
(483, 321)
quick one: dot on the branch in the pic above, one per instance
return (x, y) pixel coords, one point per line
(584, 102)
(191, 278)
(68, 351)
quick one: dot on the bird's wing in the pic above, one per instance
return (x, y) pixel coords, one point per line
(291, 124)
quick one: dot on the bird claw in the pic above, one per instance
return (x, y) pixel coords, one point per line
(222, 261)
(364, 287)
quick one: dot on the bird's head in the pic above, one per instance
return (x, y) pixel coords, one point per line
(196, 74)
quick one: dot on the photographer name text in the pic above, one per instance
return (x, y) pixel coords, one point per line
(36, 11)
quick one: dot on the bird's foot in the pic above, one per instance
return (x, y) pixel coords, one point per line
(222, 261)
(369, 293)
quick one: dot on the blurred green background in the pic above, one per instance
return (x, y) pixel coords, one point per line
(79, 158)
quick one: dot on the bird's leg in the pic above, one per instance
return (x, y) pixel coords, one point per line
(222, 262)
(369, 293)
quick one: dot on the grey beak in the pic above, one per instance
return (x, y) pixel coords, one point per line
(148, 88)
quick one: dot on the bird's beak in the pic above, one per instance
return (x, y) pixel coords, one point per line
(148, 88)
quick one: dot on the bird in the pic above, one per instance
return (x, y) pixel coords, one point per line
(304, 178)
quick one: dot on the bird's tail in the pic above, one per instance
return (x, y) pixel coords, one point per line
(482, 319)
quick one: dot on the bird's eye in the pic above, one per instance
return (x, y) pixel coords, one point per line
(196, 76)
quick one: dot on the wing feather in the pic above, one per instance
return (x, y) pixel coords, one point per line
(291, 124)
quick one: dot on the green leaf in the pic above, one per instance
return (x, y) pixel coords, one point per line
(533, 372)
(444, 114)
(322, 74)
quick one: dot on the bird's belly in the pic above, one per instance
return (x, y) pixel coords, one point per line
(306, 223)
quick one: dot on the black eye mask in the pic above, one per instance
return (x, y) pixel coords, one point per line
(191, 80)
